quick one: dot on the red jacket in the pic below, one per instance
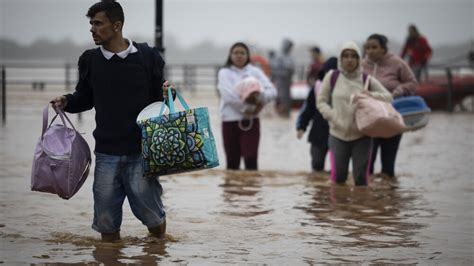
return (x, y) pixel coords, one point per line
(418, 50)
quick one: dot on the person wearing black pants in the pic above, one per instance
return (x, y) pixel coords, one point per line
(388, 150)
(398, 78)
(319, 132)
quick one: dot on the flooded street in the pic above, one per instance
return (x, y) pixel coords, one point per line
(282, 214)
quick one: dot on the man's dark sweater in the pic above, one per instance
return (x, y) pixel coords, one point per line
(118, 89)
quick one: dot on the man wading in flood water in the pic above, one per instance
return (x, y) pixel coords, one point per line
(118, 80)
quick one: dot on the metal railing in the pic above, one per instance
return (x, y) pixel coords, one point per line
(186, 77)
(4, 95)
(43, 76)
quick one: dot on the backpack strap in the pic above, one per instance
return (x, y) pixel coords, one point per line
(334, 76)
(146, 58)
(85, 63)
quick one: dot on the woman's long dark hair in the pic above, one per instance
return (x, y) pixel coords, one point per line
(412, 39)
(228, 63)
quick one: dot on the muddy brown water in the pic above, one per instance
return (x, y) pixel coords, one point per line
(282, 214)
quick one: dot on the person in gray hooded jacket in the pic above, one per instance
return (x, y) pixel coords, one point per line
(282, 73)
(346, 142)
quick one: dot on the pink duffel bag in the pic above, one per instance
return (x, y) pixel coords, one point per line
(376, 118)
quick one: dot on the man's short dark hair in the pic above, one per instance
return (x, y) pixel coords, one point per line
(112, 9)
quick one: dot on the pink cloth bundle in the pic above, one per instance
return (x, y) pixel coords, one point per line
(247, 86)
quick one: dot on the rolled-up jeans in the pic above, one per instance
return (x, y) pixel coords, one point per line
(117, 177)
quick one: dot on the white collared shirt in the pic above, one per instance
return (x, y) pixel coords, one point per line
(130, 50)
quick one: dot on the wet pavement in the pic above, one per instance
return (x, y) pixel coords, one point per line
(282, 214)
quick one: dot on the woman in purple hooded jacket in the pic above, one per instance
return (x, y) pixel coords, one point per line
(397, 77)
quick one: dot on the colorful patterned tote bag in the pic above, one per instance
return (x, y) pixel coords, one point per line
(179, 141)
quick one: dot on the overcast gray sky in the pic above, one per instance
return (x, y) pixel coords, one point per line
(263, 22)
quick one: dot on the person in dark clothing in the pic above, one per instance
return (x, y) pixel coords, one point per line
(319, 133)
(314, 67)
(118, 80)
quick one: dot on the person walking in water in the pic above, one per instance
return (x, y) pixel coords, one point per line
(114, 81)
(283, 68)
(399, 80)
(346, 142)
(418, 51)
(239, 108)
(314, 67)
(319, 132)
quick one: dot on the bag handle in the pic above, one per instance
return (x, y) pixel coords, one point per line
(366, 87)
(45, 119)
(171, 103)
(63, 117)
(61, 114)
(367, 83)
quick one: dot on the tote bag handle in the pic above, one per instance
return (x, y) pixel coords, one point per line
(171, 103)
